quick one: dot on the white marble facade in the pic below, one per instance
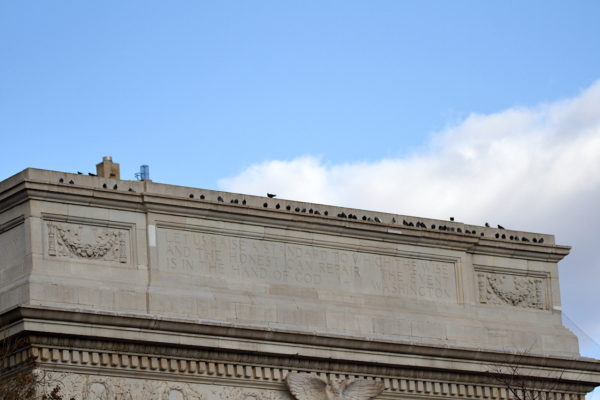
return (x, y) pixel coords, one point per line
(149, 255)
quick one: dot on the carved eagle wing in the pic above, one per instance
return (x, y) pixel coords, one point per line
(362, 389)
(306, 386)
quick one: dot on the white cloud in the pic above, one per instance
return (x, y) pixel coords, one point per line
(535, 169)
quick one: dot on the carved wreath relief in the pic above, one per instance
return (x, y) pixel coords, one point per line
(87, 242)
(514, 290)
(311, 387)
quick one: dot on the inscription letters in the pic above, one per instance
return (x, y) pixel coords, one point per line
(270, 262)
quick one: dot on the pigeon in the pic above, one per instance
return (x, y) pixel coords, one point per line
(451, 218)
(487, 225)
(220, 199)
(377, 219)
(79, 173)
(271, 195)
(500, 227)
(90, 174)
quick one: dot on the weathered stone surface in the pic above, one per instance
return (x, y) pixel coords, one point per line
(312, 387)
(98, 387)
(158, 251)
(151, 291)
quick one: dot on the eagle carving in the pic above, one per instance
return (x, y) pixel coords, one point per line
(311, 387)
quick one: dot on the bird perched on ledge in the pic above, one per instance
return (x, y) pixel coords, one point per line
(271, 195)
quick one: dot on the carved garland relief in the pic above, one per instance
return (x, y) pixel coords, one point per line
(87, 242)
(513, 290)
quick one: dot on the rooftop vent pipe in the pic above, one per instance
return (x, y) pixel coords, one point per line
(144, 174)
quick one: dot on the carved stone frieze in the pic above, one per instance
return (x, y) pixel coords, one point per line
(87, 242)
(96, 387)
(312, 387)
(168, 378)
(511, 289)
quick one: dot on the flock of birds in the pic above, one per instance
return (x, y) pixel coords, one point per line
(417, 224)
(365, 218)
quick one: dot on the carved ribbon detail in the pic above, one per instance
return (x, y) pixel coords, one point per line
(109, 245)
(514, 290)
(312, 387)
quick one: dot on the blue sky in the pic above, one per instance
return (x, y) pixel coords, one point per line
(282, 94)
(200, 90)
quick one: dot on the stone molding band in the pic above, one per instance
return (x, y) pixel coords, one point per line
(192, 370)
(139, 322)
(152, 202)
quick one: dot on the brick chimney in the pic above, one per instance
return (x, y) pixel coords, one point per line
(108, 169)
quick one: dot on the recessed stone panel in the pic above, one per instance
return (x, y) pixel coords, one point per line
(87, 241)
(201, 255)
(512, 288)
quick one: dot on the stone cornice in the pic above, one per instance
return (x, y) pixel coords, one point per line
(177, 200)
(179, 364)
(287, 345)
